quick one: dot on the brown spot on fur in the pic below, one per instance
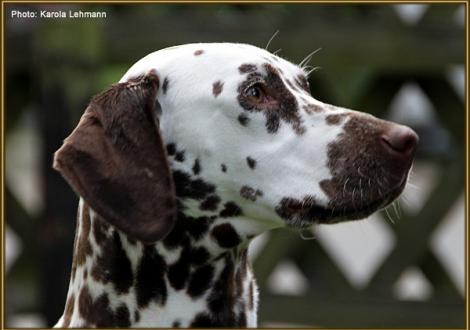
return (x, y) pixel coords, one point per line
(122, 317)
(200, 281)
(170, 149)
(96, 313)
(299, 213)
(150, 282)
(302, 82)
(243, 119)
(198, 52)
(100, 229)
(75, 246)
(251, 296)
(313, 108)
(335, 119)
(178, 272)
(225, 235)
(187, 187)
(179, 156)
(251, 162)
(210, 203)
(217, 88)
(242, 317)
(68, 311)
(196, 167)
(165, 84)
(230, 210)
(113, 265)
(84, 247)
(250, 193)
(222, 298)
(289, 83)
(247, 68)
(85, 302)
(203, 320)
(136, 316)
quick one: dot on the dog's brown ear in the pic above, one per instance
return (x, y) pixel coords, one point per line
(115, 160)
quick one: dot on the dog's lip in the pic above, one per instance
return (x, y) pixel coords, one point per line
(338, 213)
(367, 209)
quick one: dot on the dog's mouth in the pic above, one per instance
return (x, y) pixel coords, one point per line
(301, 213)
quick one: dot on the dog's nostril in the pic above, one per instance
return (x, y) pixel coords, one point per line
(400, 138)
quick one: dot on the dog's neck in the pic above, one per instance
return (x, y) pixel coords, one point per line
(197, 276)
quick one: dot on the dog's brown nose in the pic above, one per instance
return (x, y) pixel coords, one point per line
(400, 139)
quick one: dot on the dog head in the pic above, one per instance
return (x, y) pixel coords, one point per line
(244, 138)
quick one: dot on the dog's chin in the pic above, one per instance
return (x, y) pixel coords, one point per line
(304, 214)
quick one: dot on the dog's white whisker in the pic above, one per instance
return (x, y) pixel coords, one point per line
(413, 186)
(276, 51)
(399, 209)
(271, 39)
(388, 215)
(312, 70)
(395, 209)
(308, 57)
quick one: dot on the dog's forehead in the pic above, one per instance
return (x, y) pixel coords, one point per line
(212, 59)
(236, 55)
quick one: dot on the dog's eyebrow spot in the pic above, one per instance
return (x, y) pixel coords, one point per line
(165, 85)
(311, 108)
(251, 162)
(250, 193)
(302, 82)
(247, 68)
(271, 69)
(226, 236)
(217, 88)
(243, 119)
(335, 119)
(198, 52)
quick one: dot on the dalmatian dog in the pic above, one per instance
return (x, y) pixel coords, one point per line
(197, 150)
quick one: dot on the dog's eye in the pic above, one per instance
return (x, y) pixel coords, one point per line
(255, 93)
